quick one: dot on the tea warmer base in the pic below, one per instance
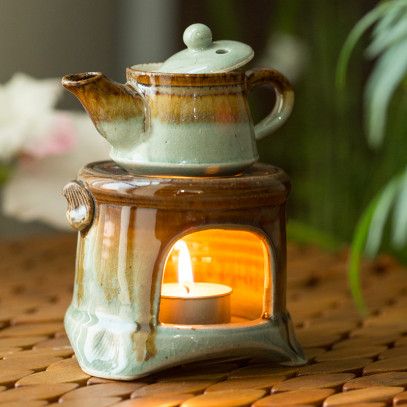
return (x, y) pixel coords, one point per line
(131, 224)
(272, 339)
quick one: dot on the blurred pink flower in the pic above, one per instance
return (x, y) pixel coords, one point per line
(59, 138)
(27, 115)
(47, 148)
(33, 192)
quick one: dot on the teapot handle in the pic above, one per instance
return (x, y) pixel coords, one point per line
(284, 98)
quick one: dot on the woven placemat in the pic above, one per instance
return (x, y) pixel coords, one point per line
(353, 361)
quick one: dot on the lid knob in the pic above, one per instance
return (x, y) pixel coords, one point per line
(205, 56)
(197, 36)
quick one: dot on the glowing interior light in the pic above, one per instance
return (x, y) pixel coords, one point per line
(185, 275)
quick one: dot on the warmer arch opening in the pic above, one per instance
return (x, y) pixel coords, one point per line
(236, 257)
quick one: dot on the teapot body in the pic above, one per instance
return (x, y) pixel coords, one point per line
(181, 123)
(194, 124)
(188, 115)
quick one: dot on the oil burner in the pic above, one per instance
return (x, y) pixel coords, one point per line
(180, 260)
(234, 231)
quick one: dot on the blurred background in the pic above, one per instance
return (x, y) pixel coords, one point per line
(323, 147)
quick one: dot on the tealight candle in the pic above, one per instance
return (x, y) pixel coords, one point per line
(195, 303)
(191, 303)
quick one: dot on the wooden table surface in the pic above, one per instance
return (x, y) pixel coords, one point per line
(353, 361)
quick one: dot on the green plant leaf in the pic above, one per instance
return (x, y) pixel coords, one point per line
(384, 201)
(358, 30)
(369, 230)
(356, 252)
(393, 34)
(399, 235)
(388, 73)
(391, 16)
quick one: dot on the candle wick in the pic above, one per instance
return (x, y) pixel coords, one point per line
(187, 289)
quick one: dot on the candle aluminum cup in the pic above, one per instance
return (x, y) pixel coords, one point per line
(205, 304)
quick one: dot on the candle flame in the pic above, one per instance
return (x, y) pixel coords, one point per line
(185, 275)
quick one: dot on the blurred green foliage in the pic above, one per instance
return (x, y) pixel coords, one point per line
(335, 173)
(5, 171)
(389, 49)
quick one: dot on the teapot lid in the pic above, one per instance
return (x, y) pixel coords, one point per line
(206, 56)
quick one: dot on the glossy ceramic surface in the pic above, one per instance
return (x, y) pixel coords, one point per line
(199, 124)
(204, 56)
(187, 116)
(113, 321)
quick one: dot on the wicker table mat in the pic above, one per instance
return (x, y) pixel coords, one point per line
(352, 361)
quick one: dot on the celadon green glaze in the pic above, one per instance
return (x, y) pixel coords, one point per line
(169, 125)
(113, 321)
(204, 56)
(192, 121)
(106, 346)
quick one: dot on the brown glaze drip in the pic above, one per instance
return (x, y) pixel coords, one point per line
(189, 108)
(139, 74)
(79, 273)
(106, 241)
(151, 348)
(104, 99)
(111, 184)
(260, 76)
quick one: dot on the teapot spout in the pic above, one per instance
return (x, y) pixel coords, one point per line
(117, 110)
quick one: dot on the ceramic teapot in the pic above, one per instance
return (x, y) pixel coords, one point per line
(187, 116)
